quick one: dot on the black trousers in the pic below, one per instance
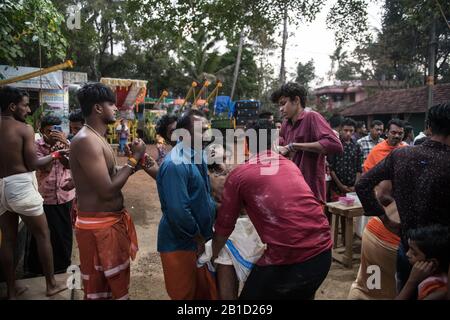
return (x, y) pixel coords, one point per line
(294, 282)
(61, 237)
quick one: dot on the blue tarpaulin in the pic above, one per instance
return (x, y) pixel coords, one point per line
(223, 104)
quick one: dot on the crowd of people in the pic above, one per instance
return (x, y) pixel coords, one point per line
(228, 230)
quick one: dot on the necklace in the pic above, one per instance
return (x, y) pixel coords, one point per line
(105, 143)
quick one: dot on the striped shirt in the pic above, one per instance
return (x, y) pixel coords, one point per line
(367, 144)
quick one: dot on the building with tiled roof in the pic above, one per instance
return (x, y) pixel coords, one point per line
(406, 104)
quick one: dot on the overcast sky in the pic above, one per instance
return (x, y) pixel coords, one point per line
(315, 41)
(310, 41)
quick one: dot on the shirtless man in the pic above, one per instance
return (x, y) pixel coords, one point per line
(18, 189)
(105, 233)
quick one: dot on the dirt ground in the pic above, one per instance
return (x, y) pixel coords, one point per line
(147, 280)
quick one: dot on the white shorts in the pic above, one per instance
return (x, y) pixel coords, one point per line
(19, 193)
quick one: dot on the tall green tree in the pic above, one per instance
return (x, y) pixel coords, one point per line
(401, 48)
(200, 56)
(247, 83)
(103, 24)
(27, 26)
(247, 20)
(348, 18)
(305, 73)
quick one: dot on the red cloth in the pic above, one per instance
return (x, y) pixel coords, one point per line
(281, 206)
(106, 241)
(184, 280)
(121, 95)
(311, 127)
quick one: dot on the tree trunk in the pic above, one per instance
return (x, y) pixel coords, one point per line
(112, 41)
(238, 62)
(431, 61)
(283, 49)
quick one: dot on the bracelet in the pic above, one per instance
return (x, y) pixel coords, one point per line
(291, 147)
(148, 162)
(56, 155)
(132, 162)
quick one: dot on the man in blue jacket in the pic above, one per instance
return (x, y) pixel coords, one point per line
(188, 213)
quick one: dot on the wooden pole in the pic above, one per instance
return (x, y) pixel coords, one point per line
(67, 64)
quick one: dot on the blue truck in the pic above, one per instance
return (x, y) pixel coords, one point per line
(230, 115)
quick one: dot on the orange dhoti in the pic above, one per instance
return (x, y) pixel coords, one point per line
(184, 279)
(107, 241)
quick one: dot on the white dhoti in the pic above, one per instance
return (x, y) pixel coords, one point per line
(19, 193)
(242, 250)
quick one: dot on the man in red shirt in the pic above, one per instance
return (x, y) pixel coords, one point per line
(305, 136)
(291, 224)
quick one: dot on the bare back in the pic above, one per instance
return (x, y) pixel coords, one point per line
(93, 166)
(13, 135)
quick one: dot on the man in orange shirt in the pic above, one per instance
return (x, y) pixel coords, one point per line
(396, 131)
